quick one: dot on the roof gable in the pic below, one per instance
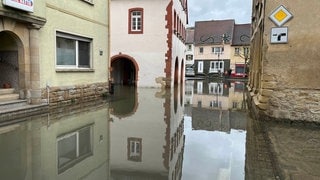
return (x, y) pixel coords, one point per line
(241, 35)
(211, 32)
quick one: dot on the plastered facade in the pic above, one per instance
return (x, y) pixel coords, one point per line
(31, 36)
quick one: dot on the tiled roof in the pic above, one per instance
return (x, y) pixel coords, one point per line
(211, 32)
(241, 35)
(190, 36)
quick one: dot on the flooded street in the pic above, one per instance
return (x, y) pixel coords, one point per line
(199, 131)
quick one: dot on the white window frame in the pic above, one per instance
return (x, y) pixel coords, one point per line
(216, 67)
(134, 149)
(189, 57)
(236, 51)
(135, 20)
(64, 166)
(245, 51)
(217, 50)
(77, 39)
(217, 104)
(216, 88)
(199, 87)
(200, 66)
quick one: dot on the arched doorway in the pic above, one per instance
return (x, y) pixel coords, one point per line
(182, 68)
(175, 84)
(124, 70)
(9, 60)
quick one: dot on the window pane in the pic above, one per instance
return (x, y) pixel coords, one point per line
(84, 141)
(136, 21)
(67, 150)
(66, 51)
(84, 54)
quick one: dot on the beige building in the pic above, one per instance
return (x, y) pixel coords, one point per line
(240, 50)
(221, 46)
(284, 68)
(54, 51)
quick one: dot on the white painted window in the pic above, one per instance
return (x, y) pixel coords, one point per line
(199, 87)
(236, 51)
(189, 57)
(74, 147)
(72, 51)
(216, 88)
(217, 50)
(215, 104)
(216, 67)
(200, 66)
(136, 21)
(135, 149)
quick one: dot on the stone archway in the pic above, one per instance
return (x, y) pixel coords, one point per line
(11, 59)
(124, 70)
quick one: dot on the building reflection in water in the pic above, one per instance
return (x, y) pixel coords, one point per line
(139, 134)
(147, 142)
(68, 143)
(216, 105)
(215, 130)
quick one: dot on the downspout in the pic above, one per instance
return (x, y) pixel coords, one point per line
(109, 48)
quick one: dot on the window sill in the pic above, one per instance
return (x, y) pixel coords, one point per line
(74, 70)
(89, 2)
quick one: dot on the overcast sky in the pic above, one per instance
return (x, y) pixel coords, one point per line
(203, 10)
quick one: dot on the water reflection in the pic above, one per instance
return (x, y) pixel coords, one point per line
(68, 143)
(149, 143)
(140, 133)
(215, 125)
(159, 134)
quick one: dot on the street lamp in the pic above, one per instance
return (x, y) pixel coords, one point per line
(224, 39)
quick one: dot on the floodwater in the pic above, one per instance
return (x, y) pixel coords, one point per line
(198, 131)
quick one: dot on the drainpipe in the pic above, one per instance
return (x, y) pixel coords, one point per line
(48, 93)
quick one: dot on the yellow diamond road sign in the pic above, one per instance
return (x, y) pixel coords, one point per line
(280, 15)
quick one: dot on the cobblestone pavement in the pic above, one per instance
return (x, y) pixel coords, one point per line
(288, 151)
(259, 164)
(296, 148)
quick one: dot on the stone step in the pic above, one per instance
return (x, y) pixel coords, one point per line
(8, 97)
(12, 104)
(6, 91)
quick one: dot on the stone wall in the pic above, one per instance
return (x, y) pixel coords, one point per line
(295, 104)
(73, 94)
(284, 77)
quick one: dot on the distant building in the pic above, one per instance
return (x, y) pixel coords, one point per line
(190, 47)
(220, 47)
(54, 51)
(284, 63)
(147, 42)
(240, 50)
